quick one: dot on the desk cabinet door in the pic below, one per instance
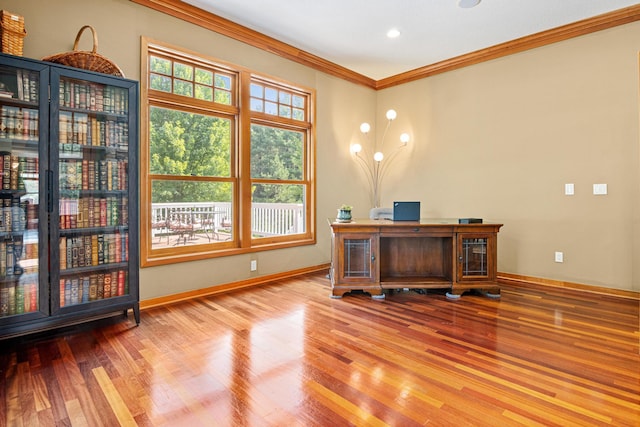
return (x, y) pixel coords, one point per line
(476, 256)
(357, 255)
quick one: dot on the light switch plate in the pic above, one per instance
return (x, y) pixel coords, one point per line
(599, 189)
(569, 189)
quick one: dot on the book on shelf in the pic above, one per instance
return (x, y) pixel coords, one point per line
(63, 252)
(100, 286)
(101, 249)
(34, 296)
(19, 123)
(74, 291)
(106, 291)
(4, 299)
(86, 281)
(93, 287)
(19, 303)
(10, 258)
(27, 85)
(87, 250)
(121, 282)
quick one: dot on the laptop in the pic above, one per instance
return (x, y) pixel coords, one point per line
(406, 211)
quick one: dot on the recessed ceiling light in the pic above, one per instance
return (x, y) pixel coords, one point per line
(468, 4)
(393, 33)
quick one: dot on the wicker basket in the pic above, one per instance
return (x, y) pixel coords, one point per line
(92, 61)
(13, 32)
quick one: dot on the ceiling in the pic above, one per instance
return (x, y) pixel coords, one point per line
(352, 33)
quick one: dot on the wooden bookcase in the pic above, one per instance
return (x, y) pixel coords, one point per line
(374, 255)
(69, 221)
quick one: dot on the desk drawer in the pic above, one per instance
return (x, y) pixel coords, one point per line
(416, 230)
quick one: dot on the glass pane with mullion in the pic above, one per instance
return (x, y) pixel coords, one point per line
(222, 96)
(271, 108)
(256, 90)
(223, 82)
(204, 77)
(204, 92)
(285, 98)
(298, 101)
(181, 87)
(189, 144)
(284, 111)
(298, 114)
(158, 82)
(277, 210)
(257, 105)
(183, 71)
(271, 94)
(160, 65)
(190, 213)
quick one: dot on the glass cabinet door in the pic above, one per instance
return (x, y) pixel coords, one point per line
(475, 256)
(23, 126)
(91, 127)
(357, 258)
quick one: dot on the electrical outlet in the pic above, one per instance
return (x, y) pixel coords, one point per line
(254, 265)
(559, 257)
(569, 189)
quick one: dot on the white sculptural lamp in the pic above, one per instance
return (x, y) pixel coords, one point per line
(375, 163)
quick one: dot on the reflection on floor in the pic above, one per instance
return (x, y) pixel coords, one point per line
(287, 354)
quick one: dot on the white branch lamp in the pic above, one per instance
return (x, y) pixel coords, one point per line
(376, 163)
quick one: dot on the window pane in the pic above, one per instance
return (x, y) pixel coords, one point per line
(285, 98)
(271, 94)
(257, 105)
(276, 153)
(223, 97)
(285, 111)
(298, 101)
(160, 65)
(187, 144)
(256, 90)
(190, 213)
(223, 82)
(183, 88)
(182, 71)
(298, 114)
(162, 83)
(271, 108)
(277, 210)
(205, 77)
(204, 92)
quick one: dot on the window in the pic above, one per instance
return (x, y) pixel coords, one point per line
(218, 179)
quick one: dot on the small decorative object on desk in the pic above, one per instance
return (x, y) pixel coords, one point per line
(344, 213)
(469, 220)
(86, 60)
(13, 32)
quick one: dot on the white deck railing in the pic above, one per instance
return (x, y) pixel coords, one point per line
(267, 219)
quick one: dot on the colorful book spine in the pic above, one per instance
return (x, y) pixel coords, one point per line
(121, 282)
(106, 291)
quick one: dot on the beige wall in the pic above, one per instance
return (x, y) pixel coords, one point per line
(500, 139)
(496, 140)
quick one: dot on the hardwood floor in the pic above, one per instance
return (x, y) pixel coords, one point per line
(288, 355)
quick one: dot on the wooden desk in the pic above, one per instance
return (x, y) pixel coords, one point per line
(373, 255)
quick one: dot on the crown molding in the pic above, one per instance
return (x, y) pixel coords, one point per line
(253, 38)
(220, 25)
(565, 32)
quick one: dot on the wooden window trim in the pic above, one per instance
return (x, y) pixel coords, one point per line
(240, 156)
